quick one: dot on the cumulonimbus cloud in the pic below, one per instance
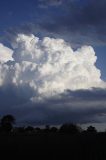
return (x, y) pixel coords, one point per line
(49, 82)
(50, 66)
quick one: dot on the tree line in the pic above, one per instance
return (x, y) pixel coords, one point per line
(7, 126)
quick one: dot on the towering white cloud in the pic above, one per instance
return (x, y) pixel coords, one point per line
(35, 75)
(49, 66)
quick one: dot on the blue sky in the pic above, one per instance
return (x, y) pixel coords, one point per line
(101, 61)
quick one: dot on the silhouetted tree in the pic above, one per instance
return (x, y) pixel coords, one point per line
(53, 129)
(70, 128)
(21, 130)
(37, 129)
(7, 123)
(91, 129)
(29, 129)
(47, 128)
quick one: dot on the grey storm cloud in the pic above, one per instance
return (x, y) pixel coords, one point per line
(80, 22)
(82, 106)
(83, 20)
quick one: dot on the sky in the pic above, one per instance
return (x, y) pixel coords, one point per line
(53, 60)
(29, 15)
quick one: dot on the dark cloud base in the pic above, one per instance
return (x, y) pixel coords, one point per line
(82, 106)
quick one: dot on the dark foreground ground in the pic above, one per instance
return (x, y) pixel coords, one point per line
(54, 146)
